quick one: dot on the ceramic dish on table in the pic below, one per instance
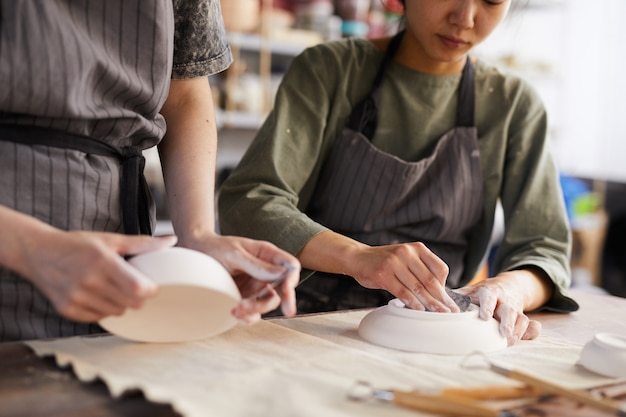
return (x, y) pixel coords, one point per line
(397, 327)
(194, 302)
(605, 354)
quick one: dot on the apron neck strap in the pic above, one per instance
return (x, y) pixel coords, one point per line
(465, 106)
(392, 48)
(364, 116)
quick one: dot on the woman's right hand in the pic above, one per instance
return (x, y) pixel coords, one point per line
(253, 264)
(409, 271)
(85, 275)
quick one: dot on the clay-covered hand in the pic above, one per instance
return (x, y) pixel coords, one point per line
(84, 274)
(409, 271)
(254, 264)
(506, 297)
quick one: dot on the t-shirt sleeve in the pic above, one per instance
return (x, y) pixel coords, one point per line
(261, 198)
(200, 43)
(537, 232)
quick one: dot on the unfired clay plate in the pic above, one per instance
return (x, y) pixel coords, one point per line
(194, 302)
(397, 327)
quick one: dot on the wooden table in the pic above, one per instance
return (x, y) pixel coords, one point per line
(31, 386)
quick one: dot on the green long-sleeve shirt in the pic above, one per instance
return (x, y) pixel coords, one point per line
(267, 194)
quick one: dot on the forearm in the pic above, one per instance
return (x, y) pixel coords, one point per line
(20, 234)
(530, 285)
(538, 288)
(329, 252)
(188, 158)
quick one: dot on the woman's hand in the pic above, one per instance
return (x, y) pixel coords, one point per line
(506, 297)
(84, 274)
(409, 271)
(188, 160)
(254, 265)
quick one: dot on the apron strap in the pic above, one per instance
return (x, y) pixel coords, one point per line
(364, 116)
(467, 101)
(134, 197)
(134, 189)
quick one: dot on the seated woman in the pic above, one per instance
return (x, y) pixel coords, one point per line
(381, 165)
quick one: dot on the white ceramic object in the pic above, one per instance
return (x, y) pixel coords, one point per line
(605, 354)
(194, 302)
(397, 327)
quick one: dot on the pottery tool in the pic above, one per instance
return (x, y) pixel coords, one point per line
(608, 406)
(492, 392)
(461, 402)
(278, 281)
(461, 300)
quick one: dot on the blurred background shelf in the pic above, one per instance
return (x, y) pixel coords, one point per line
(238, 119)
(288, 43)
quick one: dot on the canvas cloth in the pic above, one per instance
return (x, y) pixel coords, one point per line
(305, 366)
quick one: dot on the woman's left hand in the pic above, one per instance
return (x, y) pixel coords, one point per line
(254, 265)
(505, 297)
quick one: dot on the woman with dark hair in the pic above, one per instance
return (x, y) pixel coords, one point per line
(383, 161)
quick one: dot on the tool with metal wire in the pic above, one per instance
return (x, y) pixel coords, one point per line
(461, 300)
(608, 406)
(277, 282)
(458, 402)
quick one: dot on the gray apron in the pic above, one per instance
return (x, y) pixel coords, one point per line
(77, 164)
(72, 183)
(380, 199)
(125, 168)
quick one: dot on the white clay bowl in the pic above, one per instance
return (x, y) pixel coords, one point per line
(397, 327)
(195, 298)
(605, 354)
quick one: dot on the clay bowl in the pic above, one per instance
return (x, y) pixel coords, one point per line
(194, 302)
(397, 327)
(605, 354)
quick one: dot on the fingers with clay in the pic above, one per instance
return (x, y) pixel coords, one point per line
(281, 286)
(256, 266)
(515, 325)
(506, 306)
(277, 290)
(427, 283)
(249, 309)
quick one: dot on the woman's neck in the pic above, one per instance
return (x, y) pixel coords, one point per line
(410, 58)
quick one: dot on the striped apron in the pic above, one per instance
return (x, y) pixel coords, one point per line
(71, 183)
(77, 110)
(380, 199)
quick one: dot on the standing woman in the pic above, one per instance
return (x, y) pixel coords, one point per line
(382, 163)
(86, 86)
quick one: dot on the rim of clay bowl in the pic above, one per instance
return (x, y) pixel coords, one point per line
(397, 307)
(154, 264)
(614, 342)
(603, 354)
